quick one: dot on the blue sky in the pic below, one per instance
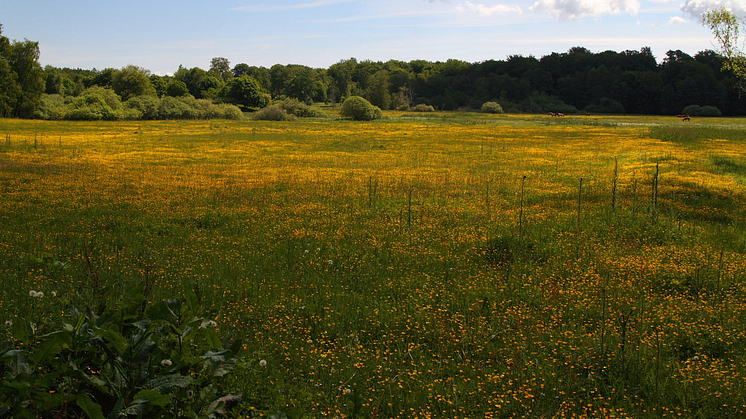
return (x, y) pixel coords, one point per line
(161, 35)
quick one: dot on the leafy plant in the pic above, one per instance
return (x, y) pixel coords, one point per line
(128, 362)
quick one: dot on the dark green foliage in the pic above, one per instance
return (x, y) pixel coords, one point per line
(159, 84)
(359, 109)
(158, 360)
(132, 81)
(245, 91)
(22, 80)
(605, 105)
(696, 110)
(177, 88)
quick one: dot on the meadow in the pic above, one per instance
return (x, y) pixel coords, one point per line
(424, 265)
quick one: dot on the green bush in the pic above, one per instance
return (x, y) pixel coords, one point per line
(157, 361)
(696, 110)
(295, 107)
(271, 113)
(542, 103)
(147, 106)
(492, 107)
(96, 104)
(359, 109)
(605, 105)
(51, 107)
(172, 108)
(422, 108)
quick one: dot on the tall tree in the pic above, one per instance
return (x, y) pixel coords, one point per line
(725, 25)
(132, 81)
(246, 92)
(22, 79)
(221, 68)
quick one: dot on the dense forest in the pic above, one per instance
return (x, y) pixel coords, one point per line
(578, 80)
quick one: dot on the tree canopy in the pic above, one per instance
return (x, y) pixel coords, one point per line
(578, 80)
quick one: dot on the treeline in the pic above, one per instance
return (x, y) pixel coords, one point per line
(571, 82)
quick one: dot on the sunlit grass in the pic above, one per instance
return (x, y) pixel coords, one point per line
(395, 265)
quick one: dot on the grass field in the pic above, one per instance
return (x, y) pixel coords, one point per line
(428, 265)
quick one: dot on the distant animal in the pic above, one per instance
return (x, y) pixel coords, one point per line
(552, 114)
(560, 114)
(686, 118)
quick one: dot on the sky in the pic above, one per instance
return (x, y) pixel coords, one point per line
(160, 35)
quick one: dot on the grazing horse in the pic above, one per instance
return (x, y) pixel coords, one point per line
(560, 114)
(686, 118)
(552, 114)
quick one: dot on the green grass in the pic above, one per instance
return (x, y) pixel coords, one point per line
(302, 238)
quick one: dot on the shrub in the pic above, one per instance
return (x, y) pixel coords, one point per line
(542, 102)
(605, 105)
(146, 105)
(271, 113)
(492, 107)
(696, 110)
(172, 108)
(51, 107)
(359, 109)
(96, 104)
(230, 111)
(295, 107)
(422, 108)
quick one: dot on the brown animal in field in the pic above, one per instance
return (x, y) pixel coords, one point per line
(560, 114)
(552, 114)
(686, 118)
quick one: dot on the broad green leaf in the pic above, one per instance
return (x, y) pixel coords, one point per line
(154, 396)
(213, 339)
(91, 408)
(45, 352)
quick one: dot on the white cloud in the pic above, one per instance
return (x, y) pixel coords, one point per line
(677, 20)
(578, 9)
(696, 8)
(489, 10)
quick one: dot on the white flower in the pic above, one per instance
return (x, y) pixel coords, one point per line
(262, 363)
(347, 391)
(32, 293)
(309, 341)
(166, 363)
(39, 294)
(9, 323)
(54, 293)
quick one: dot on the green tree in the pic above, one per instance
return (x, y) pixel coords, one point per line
(177, 88)
(210, 87)
(725, 25)
(191, 77)
(8, 86)
(378, 89)
(245, 91)
(22, 76)
(159, 84)
(132, 81)
(221, 68)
